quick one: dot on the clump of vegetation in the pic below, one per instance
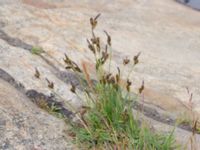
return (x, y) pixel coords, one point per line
(37, 50)
(184, 119)
(106, 121)
(52, 108)
(190, 118)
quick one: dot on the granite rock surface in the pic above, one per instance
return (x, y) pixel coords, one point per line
(164, 31)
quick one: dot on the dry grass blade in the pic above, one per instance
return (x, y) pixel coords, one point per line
(87, 75)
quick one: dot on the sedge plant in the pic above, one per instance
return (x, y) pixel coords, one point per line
(106, 121)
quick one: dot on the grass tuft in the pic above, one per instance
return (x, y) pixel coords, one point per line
(37, 50)
(107, 120)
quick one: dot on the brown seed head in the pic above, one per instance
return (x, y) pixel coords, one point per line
(50, 84)
(73, 88)
(126, 61)
(37, 73)
(93, 21)
(128, 84)
(105, 56)
(108, 76)
(91, 47)
(118, 75)
(112, 80)
(68, 67)
(78, 69)
(98, 44)
(117, 78)
(108, 38)
(71, 64)
(67, 60)
(96, 41)
(75, 67)
(135, 58)
(141, 88)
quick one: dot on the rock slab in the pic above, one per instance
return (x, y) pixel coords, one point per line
(24, 126)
